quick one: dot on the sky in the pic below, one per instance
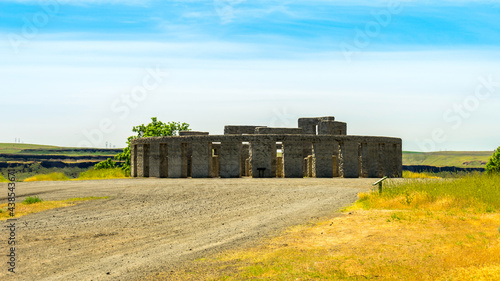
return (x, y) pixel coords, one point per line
(82, 73)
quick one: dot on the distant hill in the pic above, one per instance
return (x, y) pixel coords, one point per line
(36, 149)
(20, 152)
(462, 159)
(24, 155)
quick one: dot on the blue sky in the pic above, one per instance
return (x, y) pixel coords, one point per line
(72, 73)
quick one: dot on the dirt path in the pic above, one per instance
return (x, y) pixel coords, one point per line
(150, 225)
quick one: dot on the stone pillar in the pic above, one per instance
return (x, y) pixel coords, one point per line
(385, 163)
(186, 153)
(394, 160)
(146, 165)
(229, 158)
(140, 160)
(133, 161)
(323, 153)
(261, 158)
(398, 159)
(348, 159)
(274, 162)
(201, 159)
(143, 160)
(292, 159)
(154, 160)
(163, 160)
(174, 159)
(327, 127)
(363, 159)
(370, 160)
(336, 159)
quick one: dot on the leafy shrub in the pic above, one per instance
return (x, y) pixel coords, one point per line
(32, 200)
(493, 166)
(107, 164)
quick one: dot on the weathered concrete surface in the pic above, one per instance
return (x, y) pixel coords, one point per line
(348, 156)
(238, 130)
(277, 131)
(322, 155)
(201, 159)
(193, 133)
(174, 159)
(292, 159)
(261, 158)
(154, 160)
(163, 160)
(327, 127)
(133, 160)
(229, 158)
(143, 160)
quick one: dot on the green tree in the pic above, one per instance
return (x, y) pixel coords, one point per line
(493, 166)
(154, 129)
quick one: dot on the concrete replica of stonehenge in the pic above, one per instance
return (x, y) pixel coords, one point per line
(319, 147)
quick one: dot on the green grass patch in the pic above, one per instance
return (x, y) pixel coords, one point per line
(115, 173)
(50, 177)
(32, 200)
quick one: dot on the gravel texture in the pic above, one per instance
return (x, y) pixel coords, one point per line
(155, 225)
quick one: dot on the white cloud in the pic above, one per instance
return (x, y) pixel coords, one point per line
(388, 93)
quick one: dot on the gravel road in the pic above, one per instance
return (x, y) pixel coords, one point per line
(153, 225)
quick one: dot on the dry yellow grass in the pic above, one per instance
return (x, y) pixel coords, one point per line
(49, 177)
(3, 179)
(377, 244)
(115, 173)
(23, 209)
(412, 175)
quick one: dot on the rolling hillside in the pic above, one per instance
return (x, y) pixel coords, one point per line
(36, 149)
(462, 159)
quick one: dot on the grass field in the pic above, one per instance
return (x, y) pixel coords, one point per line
(463, 159)
(17, 147)
(418, 229)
